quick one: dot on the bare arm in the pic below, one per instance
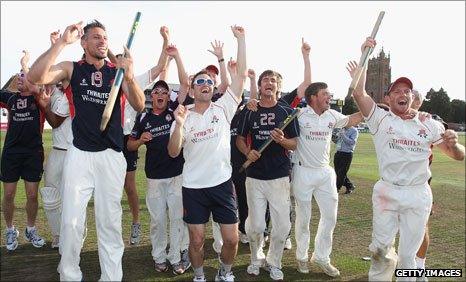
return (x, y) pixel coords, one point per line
(134, 92)
(355, 119)
(43, 99)
(134, 144)
(176, 138)
(43, 71)
(172, 51)
(25, 62)
(305, 50)
(164, 74)
(237, 83)
(163, 58)
(253, 92)
(241, 144)
(450, 145)
(288, 143)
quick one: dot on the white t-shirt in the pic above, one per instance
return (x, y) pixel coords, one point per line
(129, 114)
(62, 136)
(403, 147)
(206, 143)
(313, 149)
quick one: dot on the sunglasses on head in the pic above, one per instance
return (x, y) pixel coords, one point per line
(159, 91)
(202, 81)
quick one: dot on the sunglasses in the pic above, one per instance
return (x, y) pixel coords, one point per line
(202, 81)
(159, 91)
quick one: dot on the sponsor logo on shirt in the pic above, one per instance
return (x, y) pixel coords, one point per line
(83, 82)
(390, 130)
(214, 119)
(168, 118)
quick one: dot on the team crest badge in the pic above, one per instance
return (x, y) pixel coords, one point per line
(422, 133)
(330, 125)
(168, 118)
(214, 119)
(390, 130)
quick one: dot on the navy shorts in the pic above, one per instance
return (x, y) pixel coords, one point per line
(219, 200)
(27, 166)
(131, 157)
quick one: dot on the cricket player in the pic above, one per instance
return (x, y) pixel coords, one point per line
(94, 165)
(314, 177)
(402, 198)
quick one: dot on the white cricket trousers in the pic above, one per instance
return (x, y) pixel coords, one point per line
(397, 208)
(102, 174)
(277, 193)
(163, 194)
(319, 183)
(53, 177)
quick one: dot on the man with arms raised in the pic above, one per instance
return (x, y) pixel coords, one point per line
(203, 131)
(402, 198)
(95, 163)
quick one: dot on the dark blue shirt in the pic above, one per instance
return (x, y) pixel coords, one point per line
(159, 164)
(25, 123)
(274, 162)
(87, 94)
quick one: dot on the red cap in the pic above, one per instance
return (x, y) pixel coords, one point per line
(401, 80)
(212, 68)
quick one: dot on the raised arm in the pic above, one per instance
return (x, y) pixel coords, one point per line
(237, 83)
(163, 58)
(43, 71)
(173, 52)
(176, 138)
(217, 47)
(365, 102)
(135, 94)
(355, 119)
(164, 74)
(25, 61)
(253, 85)
(305, 50)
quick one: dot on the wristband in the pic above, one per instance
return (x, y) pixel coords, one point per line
(221, 60)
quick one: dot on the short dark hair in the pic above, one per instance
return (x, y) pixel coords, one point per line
(271, 73)
(313, 89)
(93, 24)
(196, 75)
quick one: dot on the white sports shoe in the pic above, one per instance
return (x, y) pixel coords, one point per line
(243, 238)
(199, 279)
(327, 267)
(275, 272)
(135, 234)
(303, 267)
(227, 277)
(12, 239)
(33, 237)
(288, 245)
(253, 269)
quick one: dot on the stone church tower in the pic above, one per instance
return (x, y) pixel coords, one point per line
(378, 76)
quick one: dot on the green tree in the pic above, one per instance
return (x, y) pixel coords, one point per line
(438, 103)
(458, 111)
(349, 107)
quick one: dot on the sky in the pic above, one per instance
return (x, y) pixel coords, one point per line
(425, 40)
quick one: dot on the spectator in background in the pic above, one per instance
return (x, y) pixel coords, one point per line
(346, 143)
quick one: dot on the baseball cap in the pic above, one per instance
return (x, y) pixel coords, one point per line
(212, 68)
(400, 80)
(160, 83)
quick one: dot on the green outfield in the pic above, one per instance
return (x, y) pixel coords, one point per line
(351, 237)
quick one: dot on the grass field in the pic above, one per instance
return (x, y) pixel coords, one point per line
(351, 237)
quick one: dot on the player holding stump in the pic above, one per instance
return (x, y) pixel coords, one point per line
(94, 165)
(402, 198)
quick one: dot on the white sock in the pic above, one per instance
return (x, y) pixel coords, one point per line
(420, 262)
(199, 271)
(12, 228)
(29, 229)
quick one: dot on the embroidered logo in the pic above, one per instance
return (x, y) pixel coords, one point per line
(214, 119)
(330, 125)
(422, 133)
(168, 118)
(83, 82)
(390, 130)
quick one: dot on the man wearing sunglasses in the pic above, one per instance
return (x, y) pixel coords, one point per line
(22, 157)
(402, 198)
(203, 131)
